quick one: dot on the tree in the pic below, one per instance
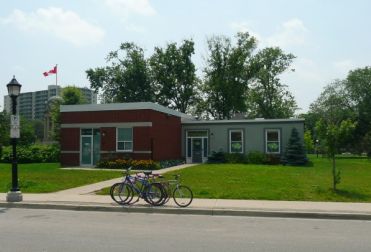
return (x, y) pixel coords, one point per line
(334, 102)
(333, 135)
(126, 79)
(295, 153)
(268, 97)
(358, 87)
(27, 131)
(4, 128)
(72, 95)
(226, 76)
(174, 76)
(308, 141)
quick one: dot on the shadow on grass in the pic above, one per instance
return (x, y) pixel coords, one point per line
(352, 195)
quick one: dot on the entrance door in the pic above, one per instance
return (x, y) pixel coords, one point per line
(90, 146)
(86, 150)
(196, 150)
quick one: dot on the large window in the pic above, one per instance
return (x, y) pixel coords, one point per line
(236, 141)
(272, 141)
(124, 139)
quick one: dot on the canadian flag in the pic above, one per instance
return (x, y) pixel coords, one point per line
(52, 71)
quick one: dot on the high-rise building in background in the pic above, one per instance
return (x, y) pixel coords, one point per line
(33, 105)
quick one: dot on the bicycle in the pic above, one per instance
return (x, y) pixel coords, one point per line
(181, 194)
(124, 192)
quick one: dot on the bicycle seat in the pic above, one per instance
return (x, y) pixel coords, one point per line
(147, 173)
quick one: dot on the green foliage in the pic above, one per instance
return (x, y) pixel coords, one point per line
(308, 141)
(334, 135)
(126, 79)
(295, 154)
(126, 163)
(256, 157)
(358, 87)
(4, 128)
(72, 95)
(32, 154)
(267, 96)
(253, 157)
(216, 157)
(235, 158)
(174, 76)
(226, 75)
(171, 163)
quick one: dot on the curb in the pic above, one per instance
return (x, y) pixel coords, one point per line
(191, 211)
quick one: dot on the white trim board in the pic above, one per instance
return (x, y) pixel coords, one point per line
(106, 125)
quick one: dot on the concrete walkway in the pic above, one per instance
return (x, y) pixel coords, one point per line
(81, 198)
(89, 189)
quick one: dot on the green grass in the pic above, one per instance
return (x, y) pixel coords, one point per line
(310, 183)
(265, 182)
(48, 177)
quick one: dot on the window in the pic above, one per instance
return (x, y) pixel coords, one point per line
(236, 141)
(125, 139)
(272, 138)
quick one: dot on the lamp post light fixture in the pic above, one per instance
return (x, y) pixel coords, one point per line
(14, 89)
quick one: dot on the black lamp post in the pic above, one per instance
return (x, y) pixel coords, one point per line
(14, 89)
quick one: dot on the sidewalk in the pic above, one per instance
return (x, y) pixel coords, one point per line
(83, 198)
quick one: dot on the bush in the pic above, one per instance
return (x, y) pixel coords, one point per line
(256, 157)
(126, 163)
(217, 157)
(273, 159)
(170, 163)
(36, 153)
(294, 154)
(235, 158)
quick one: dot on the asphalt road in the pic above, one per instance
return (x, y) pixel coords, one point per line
(57, 230)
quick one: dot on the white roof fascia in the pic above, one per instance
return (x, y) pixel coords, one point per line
(122, 106)
(242, 121)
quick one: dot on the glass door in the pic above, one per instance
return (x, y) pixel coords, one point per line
(86, 150)
(197, 150)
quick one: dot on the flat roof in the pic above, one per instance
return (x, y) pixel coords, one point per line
(123, 106)
(258, 120)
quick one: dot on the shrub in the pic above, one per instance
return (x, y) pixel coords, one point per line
(36, 153)
(170, 163)
(272, 159)
(295, 154)
(126, 163)
(217, 157)
(256, 157)
(235, 158)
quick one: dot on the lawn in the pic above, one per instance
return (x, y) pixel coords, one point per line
(44, 177)
(310, 183)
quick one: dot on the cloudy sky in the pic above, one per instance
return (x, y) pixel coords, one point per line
(329, 38)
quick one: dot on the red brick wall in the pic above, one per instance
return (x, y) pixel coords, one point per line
(108, 139)
(164, 136)
(70, 139)
(70, 159)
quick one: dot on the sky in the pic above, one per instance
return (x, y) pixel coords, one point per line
(329, 38)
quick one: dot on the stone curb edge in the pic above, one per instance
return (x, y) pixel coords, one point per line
(192, 211)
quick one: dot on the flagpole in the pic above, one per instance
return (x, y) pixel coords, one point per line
(56, 79)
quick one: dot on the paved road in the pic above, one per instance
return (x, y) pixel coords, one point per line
(57, 230)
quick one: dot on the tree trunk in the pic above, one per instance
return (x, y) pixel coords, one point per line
(334, 172)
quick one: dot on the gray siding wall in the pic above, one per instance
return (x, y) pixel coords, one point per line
(254, 134)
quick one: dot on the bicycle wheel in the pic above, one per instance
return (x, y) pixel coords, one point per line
(121, 193)
(167, 192)
(183, 196)
(154, 194)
